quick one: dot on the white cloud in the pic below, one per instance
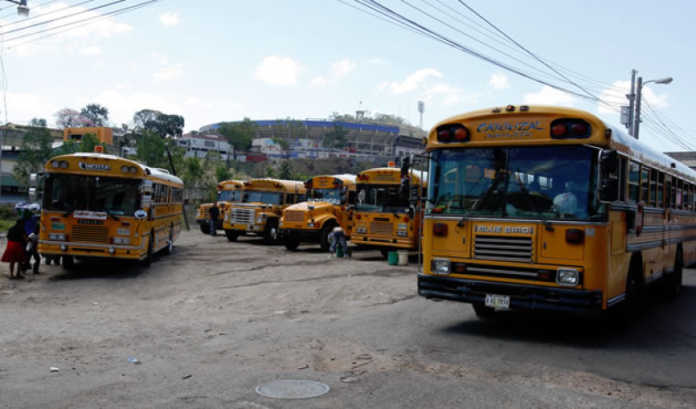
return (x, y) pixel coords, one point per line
(499, 81)
(168, 73)
(64, 42)
(22, 107)
(169, 19)
(338, 70)
(616, 96)
(549, 96)
(274, 70)
(447, 94)
(413, 81)
(91, 50)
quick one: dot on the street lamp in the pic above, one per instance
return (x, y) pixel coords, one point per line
(636, 121)
(22, 8)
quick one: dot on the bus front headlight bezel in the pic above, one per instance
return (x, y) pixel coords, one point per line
(440, 266)
(569, 277)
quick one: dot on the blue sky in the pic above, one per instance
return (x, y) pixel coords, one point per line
(224, 60)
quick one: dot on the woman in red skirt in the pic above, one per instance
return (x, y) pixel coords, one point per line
(14, 253)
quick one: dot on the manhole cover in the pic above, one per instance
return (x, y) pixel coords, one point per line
(292, 389)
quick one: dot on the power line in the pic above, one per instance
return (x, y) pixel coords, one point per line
(377, 6)
(76, 24)
(14, 13)
(526, 49)
(24, 20)
(60, 18)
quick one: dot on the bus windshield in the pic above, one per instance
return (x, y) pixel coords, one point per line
(230, 196)
(327, 195)
(117, 196)
(381, 198)
(515, 182)
(262, 197)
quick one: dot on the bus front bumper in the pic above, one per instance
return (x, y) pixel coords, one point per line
(66, 248)
(392, 242)
(522, 297)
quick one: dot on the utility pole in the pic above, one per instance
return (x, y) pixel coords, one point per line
(636, 117)
(631, 103)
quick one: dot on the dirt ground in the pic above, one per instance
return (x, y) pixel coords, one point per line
(215, 319)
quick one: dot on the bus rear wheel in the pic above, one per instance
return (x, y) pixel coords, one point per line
(673, 281)
(231, 235)
(150, 245)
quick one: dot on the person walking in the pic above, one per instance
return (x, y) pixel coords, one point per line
(14, 252)
(31, 231)
(337, 238)
(214, 213)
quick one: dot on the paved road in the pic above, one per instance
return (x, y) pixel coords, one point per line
(215, 319)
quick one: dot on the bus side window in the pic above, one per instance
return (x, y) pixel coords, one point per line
(668, 189)
(622, 178)
(644, 173)
(660, 186)
(653, 188)
(634, 182)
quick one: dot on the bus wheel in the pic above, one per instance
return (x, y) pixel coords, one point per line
(148, 258)
(205, 228)
(68, 262)
(325, 231)
(483, 312)
(231, 235)
(673, 282)
(292, 243)
(270, 233)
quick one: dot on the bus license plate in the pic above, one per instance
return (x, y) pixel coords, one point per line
(499, 302)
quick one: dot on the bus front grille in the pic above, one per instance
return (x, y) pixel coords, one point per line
(89, 234)
(294, 216)
(505, 248)
(241, 216)
(382, 228)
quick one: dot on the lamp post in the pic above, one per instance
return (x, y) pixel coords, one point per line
(636, 118)
(22, 8)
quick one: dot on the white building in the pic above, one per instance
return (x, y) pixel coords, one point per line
(199, 145)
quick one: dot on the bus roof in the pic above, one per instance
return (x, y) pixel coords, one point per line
(143, 171)
(347, 179)
(531, 127)
(276, 185)
(394, 175)
(230, 184)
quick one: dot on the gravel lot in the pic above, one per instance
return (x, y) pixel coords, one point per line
(215, 319)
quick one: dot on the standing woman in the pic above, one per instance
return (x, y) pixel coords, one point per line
(14, 253)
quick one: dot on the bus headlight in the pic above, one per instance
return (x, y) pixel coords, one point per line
(112, 250)
(402, 233)
(440, 266)
(568, 276)
(402, 226)
(56, 236)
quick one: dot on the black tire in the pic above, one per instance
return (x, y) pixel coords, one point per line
(635, 294)
(68, 262)
(385, 253)
(672, 283)
(270, 233)
(483, 312)
(205, 228)
(231, 235)
(150, 246)
(292, 243)
(324, 235)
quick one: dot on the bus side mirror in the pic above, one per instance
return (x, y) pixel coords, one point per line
(140, 214)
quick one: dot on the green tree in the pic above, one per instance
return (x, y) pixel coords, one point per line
(35, 150)
(270, 172)
(38, 122)
(152, 150)
(284, 145)
(285, 170)
(239, 134)
(96, 115)
(222, 173)
(166, 125)
(142, 117)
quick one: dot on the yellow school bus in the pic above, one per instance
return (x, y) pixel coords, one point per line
(259, 211)
(104, 206)
(328, 206)
(384, 216)
(228, 191)
(549, 208)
